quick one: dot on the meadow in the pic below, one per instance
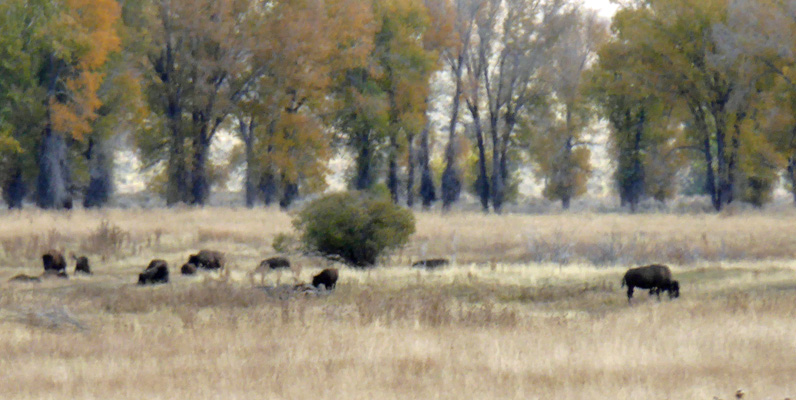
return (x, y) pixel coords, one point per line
(530, 309)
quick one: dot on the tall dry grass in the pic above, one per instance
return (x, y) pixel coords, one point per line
(504, 322)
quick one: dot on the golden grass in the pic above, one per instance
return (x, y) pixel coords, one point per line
(506, 330)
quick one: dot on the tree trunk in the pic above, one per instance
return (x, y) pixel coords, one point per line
(364, 162)
(100, 166)
(792, 176)
(392, 169)
(290, 191)
(636, 184)
(246, 132)
(482, 180)
(568, 178)
(428, 193)
(451, 176)
(200, 186)
(268, 188)
(14, 189)
(52, 189)
(497, 173)
(410, 178)
(732, 165)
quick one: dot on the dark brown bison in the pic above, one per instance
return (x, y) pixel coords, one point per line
(327, 278)
(156, 272)
(81, 265)
(188, 269)
(653, 277)
(24, 278)
(431, 263)
(53, 260)
(207, 259)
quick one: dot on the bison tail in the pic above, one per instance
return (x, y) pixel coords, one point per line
(623, 282)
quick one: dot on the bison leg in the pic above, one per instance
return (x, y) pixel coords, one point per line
(629, 293)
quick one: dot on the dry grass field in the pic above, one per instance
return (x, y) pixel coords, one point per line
(531, 309)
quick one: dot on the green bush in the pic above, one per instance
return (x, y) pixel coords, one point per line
(355, 226)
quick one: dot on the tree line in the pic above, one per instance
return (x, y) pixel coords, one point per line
(701, 89)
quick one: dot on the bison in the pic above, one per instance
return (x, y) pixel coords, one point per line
(207, 259)
(653, 277)
(431, 263)
(54, 274)
(81, 265)
(156, 272)
(188, 269)
(274, 263)
(53, 260)
(327, 278)
(25, 278)
(268, 265)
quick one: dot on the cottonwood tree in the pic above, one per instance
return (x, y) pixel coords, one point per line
(299, 54)
(643, 135)
(505, 77)
(194, 49)
(386, 98)
(54, 56)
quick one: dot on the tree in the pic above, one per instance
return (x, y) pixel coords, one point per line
(193, 51)
(385, 102)
(300, 51)
(55, 60)
(505, 78)
(677, 48)
(642, 140)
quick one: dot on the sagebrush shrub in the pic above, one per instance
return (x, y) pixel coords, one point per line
(355, 226)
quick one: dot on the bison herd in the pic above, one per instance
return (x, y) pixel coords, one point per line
(656, 278)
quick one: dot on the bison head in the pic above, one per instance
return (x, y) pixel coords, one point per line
(674, 290)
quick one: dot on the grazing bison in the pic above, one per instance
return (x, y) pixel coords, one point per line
(653, 277)
(268, 265)
(81, 265)
(207, 259)
(431, 263)
(53, 260)
(25, 278)
(188, 269)
(274, 263)
(327, 278)
(156, 272)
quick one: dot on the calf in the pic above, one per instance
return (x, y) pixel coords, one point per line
(81, 265)
(653, 277)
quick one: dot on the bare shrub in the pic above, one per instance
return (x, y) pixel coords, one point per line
(107, 240)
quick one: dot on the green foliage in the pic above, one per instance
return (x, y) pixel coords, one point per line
(285, 243)
(355, 226)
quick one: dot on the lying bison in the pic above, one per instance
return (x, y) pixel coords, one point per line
(653, 277)
(53, 261)
(81, 265)
(207, 259)
(431, 263)
(24, 278)
(156, 272)
(327, 278)
(188, 269)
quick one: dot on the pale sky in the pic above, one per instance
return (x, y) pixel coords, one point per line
(606, 8)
